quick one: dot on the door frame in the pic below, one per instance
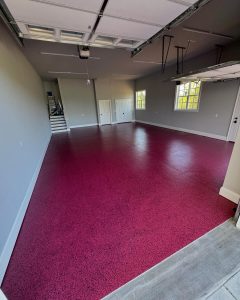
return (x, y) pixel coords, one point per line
(236, 106)
(110, 108)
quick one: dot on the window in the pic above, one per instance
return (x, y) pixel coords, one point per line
(141, 99)
(188, 96)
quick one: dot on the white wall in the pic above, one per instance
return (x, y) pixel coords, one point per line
(231, 185)
(24, 136)
(78, 102)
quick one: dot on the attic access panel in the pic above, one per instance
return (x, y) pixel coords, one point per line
(224, 71)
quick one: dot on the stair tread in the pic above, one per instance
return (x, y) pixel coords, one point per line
(61, 126)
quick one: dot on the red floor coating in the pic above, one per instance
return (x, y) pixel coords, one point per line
(111, 203)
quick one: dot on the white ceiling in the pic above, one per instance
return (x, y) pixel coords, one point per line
(229, 70)
(134, 20)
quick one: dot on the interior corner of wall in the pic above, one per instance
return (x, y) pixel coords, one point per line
(229, 194)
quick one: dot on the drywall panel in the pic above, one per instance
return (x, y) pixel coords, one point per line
(24, 136)
(78, 102)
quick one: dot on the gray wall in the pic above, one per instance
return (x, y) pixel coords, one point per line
(216, 103)
(110, 89)
(52, 86)
(25, 130)
(80, 107)
(78, 102)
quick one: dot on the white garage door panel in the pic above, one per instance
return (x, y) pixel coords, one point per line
(159, 12)
(35, 13)
(93, 5)
(116, 27)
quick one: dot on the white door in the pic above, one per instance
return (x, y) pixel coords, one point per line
(235, 122)
(104, 112)
(124, 110)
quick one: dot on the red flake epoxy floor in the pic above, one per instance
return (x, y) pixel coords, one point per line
(112, 202)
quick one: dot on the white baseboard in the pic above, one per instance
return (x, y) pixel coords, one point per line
(2, 296)
(10, 243)
(85, 125)
(230, 195)
(210, 135)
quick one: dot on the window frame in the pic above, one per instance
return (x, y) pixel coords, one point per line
(177, 96)
(144, 90)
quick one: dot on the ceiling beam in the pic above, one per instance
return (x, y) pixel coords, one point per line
(184, 16)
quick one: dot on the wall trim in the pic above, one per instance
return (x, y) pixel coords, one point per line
(2, 296)
(210, 135)
(12, 237)
(84, 125)
(230, 195)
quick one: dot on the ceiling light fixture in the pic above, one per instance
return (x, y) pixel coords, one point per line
(147, 62)
(67, 55)
(65, 72)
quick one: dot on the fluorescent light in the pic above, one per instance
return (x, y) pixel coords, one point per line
(65, 72)
(59, 54)
(147, 62)
(207, 32)
(67, 55)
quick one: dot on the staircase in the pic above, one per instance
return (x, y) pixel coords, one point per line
(58, 123)
(56, 115)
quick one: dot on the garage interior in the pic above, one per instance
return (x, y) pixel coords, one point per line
(120, 148)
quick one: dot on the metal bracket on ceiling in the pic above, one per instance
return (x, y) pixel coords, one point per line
(219, 49)
(180, 58)
(184, 16)
(100, 15)
(165, 55)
